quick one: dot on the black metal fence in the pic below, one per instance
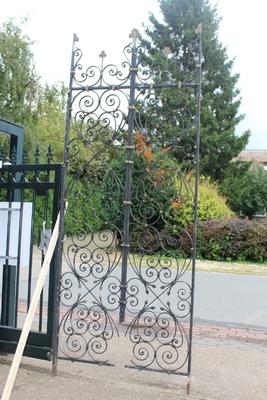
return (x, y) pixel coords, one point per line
(29, 204)
(9, 157)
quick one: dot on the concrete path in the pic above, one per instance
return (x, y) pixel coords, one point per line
(221, 370)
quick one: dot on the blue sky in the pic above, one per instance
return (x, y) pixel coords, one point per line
(105, 24)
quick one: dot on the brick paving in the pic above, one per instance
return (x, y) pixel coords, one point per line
(204, 329)
(224, 331)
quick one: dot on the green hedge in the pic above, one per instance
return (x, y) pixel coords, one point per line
(231, 239)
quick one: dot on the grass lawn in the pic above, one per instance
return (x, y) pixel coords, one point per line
(232, 267)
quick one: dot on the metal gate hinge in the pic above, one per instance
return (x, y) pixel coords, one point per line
(125, 202)
(125, 245)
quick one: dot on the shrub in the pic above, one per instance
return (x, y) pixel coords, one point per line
(246, 191)
(211, 205)
(84, 202)
(231, 239)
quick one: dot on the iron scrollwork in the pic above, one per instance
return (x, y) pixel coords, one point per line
(127, 261)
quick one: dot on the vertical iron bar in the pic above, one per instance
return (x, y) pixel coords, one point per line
(31, 250)
(63, 186)
(9, 275)
(128, 184)
(18, 256)
(41, 301)
(54, 266)
(198, 131)
(45, 219)
(5, 291)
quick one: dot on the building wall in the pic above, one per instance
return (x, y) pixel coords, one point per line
(257, 157)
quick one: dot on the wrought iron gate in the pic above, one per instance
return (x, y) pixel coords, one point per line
(129, 260)
(29, 205)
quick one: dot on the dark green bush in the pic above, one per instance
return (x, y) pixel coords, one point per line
(246, 191)
(231, 239)
(84, 209)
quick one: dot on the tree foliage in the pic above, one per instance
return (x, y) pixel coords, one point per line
(47, 125)
(40, 109)
(246, 192)
(18, 78)
(220, 95)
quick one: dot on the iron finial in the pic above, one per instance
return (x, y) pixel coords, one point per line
(75, 38)
(49, 154)
(135, 34)
(25, 155)
(102, 54)
(37, 154)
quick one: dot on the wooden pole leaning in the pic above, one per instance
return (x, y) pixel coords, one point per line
(30, 316)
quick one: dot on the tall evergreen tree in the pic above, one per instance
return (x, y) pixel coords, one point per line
(220, 95)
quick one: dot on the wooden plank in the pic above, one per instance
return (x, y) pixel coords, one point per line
(30, 316)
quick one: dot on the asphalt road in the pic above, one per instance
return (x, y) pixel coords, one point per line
(237, 299)
(219, 297)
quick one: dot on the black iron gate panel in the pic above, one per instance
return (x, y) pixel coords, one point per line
(131, 224)
(29, 204)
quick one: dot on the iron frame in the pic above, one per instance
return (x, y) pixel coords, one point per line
(132, 83)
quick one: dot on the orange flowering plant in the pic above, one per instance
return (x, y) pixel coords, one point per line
(155, 192)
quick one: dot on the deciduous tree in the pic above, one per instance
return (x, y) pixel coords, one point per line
(18, 79)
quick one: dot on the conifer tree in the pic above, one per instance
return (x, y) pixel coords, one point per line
(220, 94)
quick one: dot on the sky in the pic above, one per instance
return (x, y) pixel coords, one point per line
(106, 24)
